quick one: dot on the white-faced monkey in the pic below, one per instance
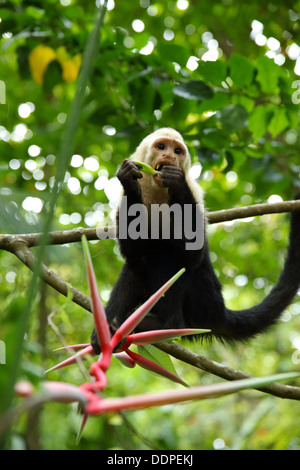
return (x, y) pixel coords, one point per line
(195, 300)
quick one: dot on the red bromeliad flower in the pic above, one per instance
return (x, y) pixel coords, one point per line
(90, 394)
(101, 324)
(108, 344)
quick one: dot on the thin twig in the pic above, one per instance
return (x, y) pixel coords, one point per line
(56, 330)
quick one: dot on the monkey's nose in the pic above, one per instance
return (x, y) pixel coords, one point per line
(169, 156)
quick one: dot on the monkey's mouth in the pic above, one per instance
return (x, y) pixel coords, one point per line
(159, 166)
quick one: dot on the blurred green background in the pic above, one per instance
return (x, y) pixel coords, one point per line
(226, 74)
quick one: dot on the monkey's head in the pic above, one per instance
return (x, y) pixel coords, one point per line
(163, 147)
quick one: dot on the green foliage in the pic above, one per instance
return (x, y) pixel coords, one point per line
(240, 117)
(193, 90)
(241, 71)
(154, 354)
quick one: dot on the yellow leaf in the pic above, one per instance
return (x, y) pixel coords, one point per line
(71, 68)
(41, 56)
(39, 59)
(62, 54)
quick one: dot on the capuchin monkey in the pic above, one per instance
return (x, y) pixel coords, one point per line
(195, 300)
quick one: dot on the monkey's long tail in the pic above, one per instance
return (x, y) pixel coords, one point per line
(243, 324)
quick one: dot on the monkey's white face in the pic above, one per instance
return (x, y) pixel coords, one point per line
(166, 151)
(165, 146)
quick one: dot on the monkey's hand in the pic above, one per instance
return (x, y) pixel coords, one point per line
(172, 177)
(128, 174)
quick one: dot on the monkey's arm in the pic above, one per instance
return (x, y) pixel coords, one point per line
(128, 174)
(192, 216)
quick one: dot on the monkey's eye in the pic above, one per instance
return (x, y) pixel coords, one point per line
(178, 151)
(160, 147)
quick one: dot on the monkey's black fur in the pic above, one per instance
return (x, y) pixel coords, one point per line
(195, 300)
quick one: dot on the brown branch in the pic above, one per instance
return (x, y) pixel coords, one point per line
(25, 255)
(74, 235)
(251, 211)
(59, 237)
(225, 372)
(19, 244)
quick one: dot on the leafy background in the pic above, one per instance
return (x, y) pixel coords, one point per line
(225, 75)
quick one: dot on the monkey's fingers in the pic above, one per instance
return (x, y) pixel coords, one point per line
(129, 171)
(172, 176)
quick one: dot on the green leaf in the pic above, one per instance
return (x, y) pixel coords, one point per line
(213, 72)
(13, 328)
(230, 162)
(165, 89)
(279, 122)
(158, 356)
(214, 138)
(193, 90)
(273, 176)
(239, 156)
(208, 156)
(172, 53)
(52, 76)
(245, 101)
(36, 13)
(241, 70)
(293, 117)
(218, 101)
(144, 100)
(23, 63)
(268, 75)
(258, 121)
(233, 117)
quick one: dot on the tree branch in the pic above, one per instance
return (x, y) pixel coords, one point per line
(102, 233)
(225, 372)
(251, 211)
(20, 249)
(19, 244)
